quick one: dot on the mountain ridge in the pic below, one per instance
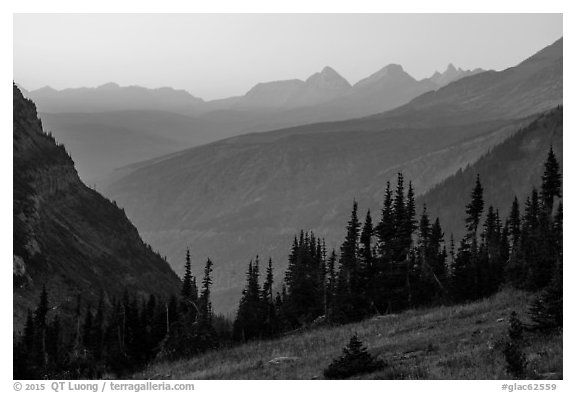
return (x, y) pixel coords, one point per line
(186, 103)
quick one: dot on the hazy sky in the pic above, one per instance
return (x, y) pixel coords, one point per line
(221, 55)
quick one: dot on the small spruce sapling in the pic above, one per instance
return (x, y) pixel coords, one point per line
(355, 360)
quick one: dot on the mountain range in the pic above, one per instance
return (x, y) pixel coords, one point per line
(67, 237)
(111, 126)
(250, 194)
(319, 88)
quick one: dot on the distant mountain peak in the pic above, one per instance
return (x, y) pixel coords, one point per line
(450, 68)
(451, 74)
(389, 72)
(328, 70)
(327, 78)
(109, 86)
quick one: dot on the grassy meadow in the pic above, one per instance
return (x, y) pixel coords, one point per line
(446, 342)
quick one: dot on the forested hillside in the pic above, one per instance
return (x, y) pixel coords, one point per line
(510, 169)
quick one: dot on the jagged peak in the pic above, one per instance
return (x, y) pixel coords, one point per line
(451, 68)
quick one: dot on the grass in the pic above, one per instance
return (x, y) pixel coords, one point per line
(455, 342)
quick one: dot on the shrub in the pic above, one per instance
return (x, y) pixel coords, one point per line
(355, 360)
(515, 360)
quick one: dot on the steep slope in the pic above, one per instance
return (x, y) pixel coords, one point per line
(509, 169)
(66, 235)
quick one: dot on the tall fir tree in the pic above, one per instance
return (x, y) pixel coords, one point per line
(187, 279)
(551, 181)
(350, 298)
(474, 211)
(385, 228)
(205, 305)
(248, 322)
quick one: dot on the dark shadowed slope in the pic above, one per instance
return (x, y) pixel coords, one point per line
(67, 236)
(509, 169)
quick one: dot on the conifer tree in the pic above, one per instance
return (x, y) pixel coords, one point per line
(187, 280)
(439, 258)
(466, 274)
(551, 181)
(350, 302)
(189, 294)
(331, 280)
(355, 360)
(474, 211)
(267, 293)
(515, 226)
(400, 243)
(269, 318)
(515, 358)
(452, 253)
(558, 231)
(546, 311)
(537, 244)
(349, 249)
(305, 281)
(248, 318)
(366, 244)
(205, 305)
(385, 228)
(411, 222)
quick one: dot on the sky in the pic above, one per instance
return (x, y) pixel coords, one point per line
(221, 55)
